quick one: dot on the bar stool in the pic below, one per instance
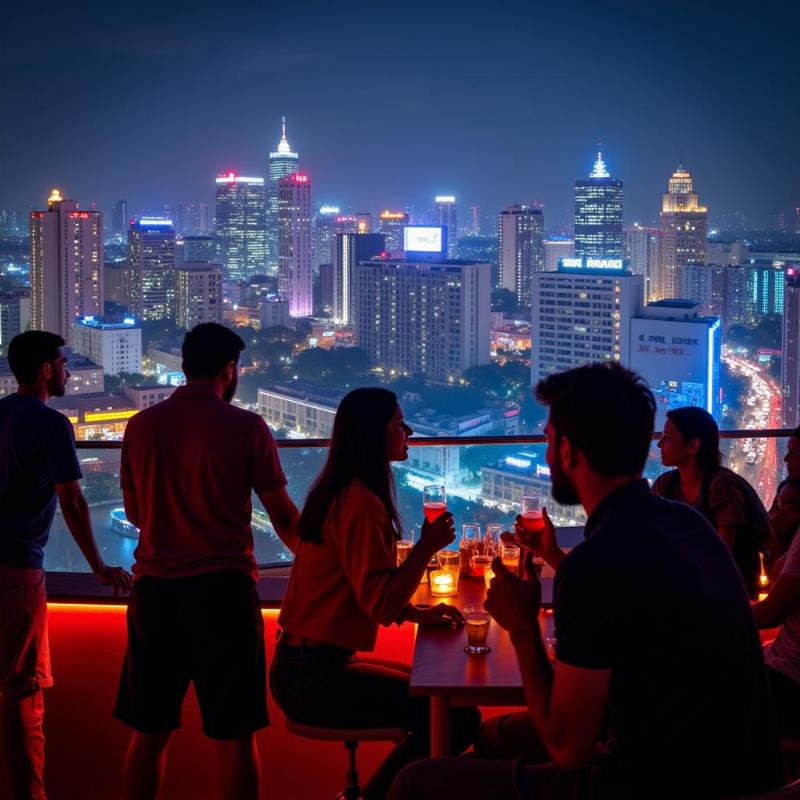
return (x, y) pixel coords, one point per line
(351, 737)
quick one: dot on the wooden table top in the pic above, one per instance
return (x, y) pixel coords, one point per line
(441, 666)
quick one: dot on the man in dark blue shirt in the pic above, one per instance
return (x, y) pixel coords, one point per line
(38, 464)
(658, 689)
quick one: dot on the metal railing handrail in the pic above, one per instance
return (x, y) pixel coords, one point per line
(433, 441)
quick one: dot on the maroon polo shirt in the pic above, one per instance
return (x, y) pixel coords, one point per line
(192, 463)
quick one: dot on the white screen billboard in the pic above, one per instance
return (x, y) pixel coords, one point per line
(420, 239)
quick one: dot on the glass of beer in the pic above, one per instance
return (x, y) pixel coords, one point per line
(434, 501)
(509, 553)
(479, 562)
(403, 549)
(532, 519)
(476, 622)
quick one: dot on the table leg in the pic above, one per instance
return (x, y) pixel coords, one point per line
(440, 726)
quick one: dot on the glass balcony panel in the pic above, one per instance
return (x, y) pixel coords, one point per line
(484, 484)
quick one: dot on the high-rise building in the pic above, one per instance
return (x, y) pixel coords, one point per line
(392, 224)
(116, 346)
(13, 222)
(521, 250)
(295, 282)
(641, 248)
(66, 247)
(200, 248)
(191, 219)
(198, 293)
(15, 315)
(151, 268)
(684, 228)
(704, 284)
(326, 288)
(790, 409)
(556, 248)
(116, 284)
(447, 216)
(724, 253)
(119, 218)
(325, 228)
(350, 249)
(282, 163)
(677, 351)
(598, 214)
(424, 317)
(363, 221)
(241, 214)
(582, 313)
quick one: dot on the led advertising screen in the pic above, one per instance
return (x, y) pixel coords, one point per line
(424, 239)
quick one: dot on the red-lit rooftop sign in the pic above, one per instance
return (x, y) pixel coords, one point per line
(79, 215)
(299, 178)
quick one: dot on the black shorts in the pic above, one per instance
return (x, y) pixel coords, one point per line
(207, 629)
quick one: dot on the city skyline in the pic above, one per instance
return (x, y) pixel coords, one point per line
(407, 151)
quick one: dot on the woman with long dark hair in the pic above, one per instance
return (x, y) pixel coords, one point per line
(345, 582)
(690, 443)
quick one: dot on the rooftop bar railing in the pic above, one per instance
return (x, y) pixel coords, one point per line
(485, 478)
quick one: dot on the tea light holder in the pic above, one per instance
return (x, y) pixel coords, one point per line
(444, 582)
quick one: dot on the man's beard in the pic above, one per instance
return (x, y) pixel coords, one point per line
(561, 487)
(230, 391)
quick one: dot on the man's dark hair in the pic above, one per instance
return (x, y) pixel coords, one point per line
(606, 411)
(28, 351)
(795, 433)
(207, 348)
(694, 422)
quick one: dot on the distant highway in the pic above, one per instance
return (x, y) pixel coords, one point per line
(758, 460)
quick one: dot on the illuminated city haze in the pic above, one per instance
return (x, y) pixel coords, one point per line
(170, 105)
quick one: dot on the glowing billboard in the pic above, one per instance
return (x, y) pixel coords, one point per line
(424, 239)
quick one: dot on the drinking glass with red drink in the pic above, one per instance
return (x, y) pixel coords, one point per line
(532, 519)
(434, 501)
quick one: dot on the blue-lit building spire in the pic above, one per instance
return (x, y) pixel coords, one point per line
(599, 170)
(598, 213)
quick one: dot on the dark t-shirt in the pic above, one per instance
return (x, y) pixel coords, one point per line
(37, 451)
(653, 594)
(728, 499)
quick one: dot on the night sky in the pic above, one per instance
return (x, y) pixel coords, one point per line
(389, 104)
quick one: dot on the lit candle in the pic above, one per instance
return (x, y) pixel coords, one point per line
(442, 583)
(488, 574)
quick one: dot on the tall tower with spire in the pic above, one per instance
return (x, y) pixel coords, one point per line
(282, 163)
(684, 233)
(598, 214)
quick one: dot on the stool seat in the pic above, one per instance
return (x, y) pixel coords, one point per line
(346, 734)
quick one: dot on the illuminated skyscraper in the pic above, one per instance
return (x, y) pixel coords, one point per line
(151, 268)
(241, 213)
(582, 313)
(598, 214)
(282, 163)
(641, 248)
(791, 350)
(119, 220)
(521, 250)
(424, 317)
(198, 293)
(448, 217)
(348, 250)
(66, 248)
(684, 232)
(325, 227)
(392, 224)
(294, 244)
